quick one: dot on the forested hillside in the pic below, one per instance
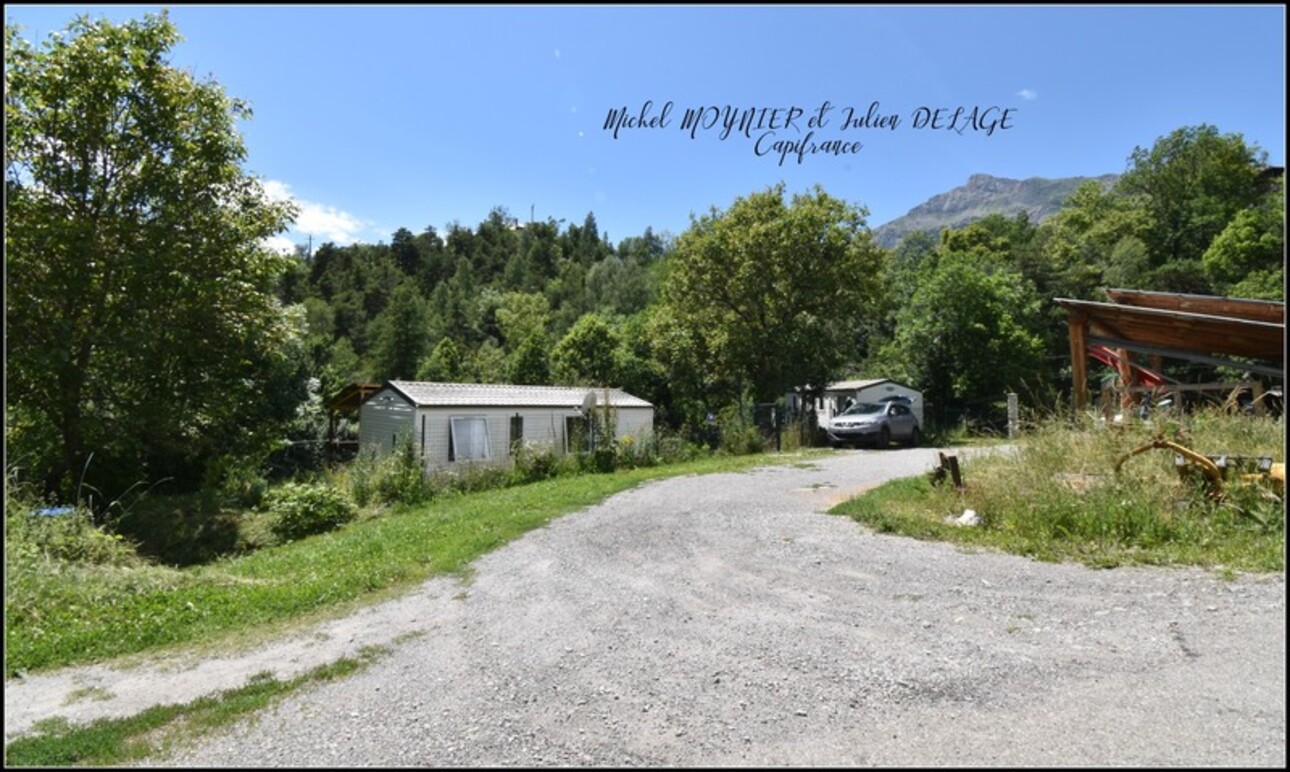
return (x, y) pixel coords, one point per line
(152, 336)
(963, 315)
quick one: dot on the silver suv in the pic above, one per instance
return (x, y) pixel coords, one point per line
(875, 424)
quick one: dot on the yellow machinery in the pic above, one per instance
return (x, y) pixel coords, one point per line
(1217, 469)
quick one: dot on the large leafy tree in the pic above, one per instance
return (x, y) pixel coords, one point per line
(443, 364)
(771, 292)
(529, 364)
(1248, 258)
(968, 333)
(142, 325)
(1191, 183)
(585, 356)
(521, 316)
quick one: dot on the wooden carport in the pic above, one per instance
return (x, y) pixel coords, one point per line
(1196, 328)
(345, 402)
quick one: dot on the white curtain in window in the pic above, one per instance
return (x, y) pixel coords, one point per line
(470, 438)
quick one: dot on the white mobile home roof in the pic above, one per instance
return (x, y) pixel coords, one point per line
(857, 385)
(425, 394)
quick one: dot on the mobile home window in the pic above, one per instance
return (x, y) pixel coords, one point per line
(577, 437)
(468, 438)
(517, 430)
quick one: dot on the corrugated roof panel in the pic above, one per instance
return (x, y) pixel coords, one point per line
(855, 385)
(505, 395)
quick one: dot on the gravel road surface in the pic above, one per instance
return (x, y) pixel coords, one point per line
(724, 620)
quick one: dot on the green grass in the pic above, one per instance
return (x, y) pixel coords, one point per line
(1059, 499)
(62, 613)
(110, 742)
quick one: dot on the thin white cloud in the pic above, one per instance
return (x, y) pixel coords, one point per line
(280, 244)
(557, 53)
(1027, 94)
(323, 222)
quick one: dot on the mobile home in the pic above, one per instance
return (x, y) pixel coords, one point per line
(453, 422)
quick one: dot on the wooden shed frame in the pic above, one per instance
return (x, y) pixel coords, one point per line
(1197, 328)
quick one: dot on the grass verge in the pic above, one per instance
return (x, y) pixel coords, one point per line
(1058, 498)
(111, 742)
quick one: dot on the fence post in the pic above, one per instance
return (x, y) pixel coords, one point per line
(774, 417)
(1013, 419)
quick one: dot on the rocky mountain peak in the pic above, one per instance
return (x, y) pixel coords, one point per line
(982, 195)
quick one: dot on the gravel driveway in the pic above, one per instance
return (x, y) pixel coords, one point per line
(723, 620)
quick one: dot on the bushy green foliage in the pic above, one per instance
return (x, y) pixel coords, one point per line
(739, 436)
(443, 364)
(470, 478)
(401, 477)
(233, 482)
(601, 459)
(304, 509)
(120, 282)
(531, 463)
(969, 330)
(182, 529)
(768, 294)
(69, 538)
(633, 453)
(529, 363)
(585, 356)
(1248, 258)
(401, 335)
(672, 447)
(374, 479)
(801, 433)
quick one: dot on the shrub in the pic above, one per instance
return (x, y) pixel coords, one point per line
(35, 535)
(69, 537)
(634, 453)
(470, 478)
(358, 477)
(232, 482)
(604, 458)
(303, 509)
(401, 478)
(800, 433)
(673, 448)
(373, 478)
(537, 462)
(741, 440)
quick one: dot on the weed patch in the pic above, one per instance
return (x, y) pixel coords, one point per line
(1058, 498)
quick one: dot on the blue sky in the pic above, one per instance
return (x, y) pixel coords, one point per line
(375, 118)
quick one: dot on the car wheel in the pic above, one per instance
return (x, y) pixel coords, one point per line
(884, 438)
(915, 438)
